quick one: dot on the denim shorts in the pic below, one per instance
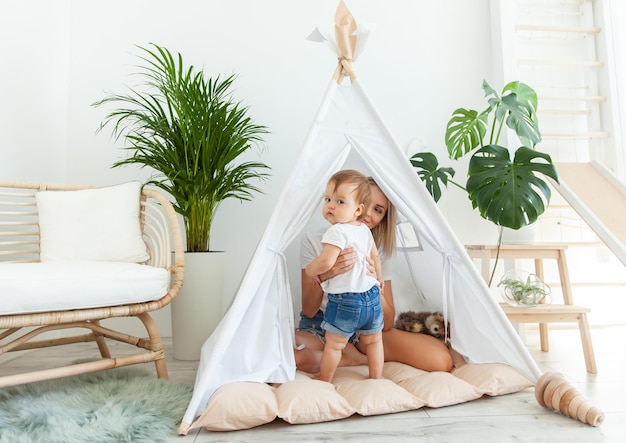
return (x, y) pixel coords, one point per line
(314, 326)
(354, 312)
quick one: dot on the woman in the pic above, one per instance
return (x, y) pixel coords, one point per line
(418, 350)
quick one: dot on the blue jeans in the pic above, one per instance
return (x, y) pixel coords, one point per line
(314, 326)
(354, 312)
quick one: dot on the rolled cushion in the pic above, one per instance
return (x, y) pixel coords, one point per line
(239, 405)
(372, 396)
(493, 378)
(311, 401)
(435, 389)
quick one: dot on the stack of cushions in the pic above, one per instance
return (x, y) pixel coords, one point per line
(92, 254)
(243, 405)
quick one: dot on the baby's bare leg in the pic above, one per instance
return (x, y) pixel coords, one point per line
(373, 344)
(332, 355)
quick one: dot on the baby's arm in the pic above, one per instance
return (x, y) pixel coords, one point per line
(345, 261)
(324, 262)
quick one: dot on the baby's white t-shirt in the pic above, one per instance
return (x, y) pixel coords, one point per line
(359, 237)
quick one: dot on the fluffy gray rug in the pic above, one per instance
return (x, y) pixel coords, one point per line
(118, 405)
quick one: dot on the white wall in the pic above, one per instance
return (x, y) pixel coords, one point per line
(34, 86)
(425, 59)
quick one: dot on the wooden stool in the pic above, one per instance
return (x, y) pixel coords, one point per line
(543, 314)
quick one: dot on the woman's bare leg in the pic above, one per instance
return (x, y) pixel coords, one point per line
(418, 350)
(308, 359)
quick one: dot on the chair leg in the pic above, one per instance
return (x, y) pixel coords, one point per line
(103, 347)
(585, 336)
(543, 337)
(156, 345)
(543, 327)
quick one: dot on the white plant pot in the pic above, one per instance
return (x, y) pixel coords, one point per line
(197, 309)
(523, 236)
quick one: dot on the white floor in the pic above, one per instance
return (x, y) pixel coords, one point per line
(516, 417)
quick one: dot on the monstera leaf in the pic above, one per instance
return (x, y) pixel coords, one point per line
(427, 167)
(509, 193)
(519, 107)
(465, 131)
(516, 107)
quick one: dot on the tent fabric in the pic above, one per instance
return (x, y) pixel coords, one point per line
(255, 339)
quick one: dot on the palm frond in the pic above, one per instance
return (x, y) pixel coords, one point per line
(187, 128)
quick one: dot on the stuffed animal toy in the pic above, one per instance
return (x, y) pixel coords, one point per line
(430, 323)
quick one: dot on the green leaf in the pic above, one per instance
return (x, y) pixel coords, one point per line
(510, 193)
(521, 118)
(525, 94)
(430, 173)
(464, 132)
(189, 130)
(492, 97)
(518, 108)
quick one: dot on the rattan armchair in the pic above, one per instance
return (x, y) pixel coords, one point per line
(19, 243)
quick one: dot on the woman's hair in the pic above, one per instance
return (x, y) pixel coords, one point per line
(385, 232)
(362, 191)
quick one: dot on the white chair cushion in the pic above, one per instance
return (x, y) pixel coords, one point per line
(40, 287)
(91, 224)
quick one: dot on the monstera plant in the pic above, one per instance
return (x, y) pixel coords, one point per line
(508, 188)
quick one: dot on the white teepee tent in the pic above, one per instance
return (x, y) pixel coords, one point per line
(254, 341)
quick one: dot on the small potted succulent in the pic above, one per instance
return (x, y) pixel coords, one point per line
(523, 289)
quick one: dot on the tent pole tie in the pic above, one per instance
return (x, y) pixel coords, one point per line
(447, 289)
(344, 69)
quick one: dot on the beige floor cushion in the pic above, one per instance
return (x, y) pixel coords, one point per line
(305, 400)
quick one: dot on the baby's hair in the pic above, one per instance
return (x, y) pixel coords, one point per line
(362, 191)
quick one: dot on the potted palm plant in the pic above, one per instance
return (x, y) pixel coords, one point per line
(509, 190)
(191, 133)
